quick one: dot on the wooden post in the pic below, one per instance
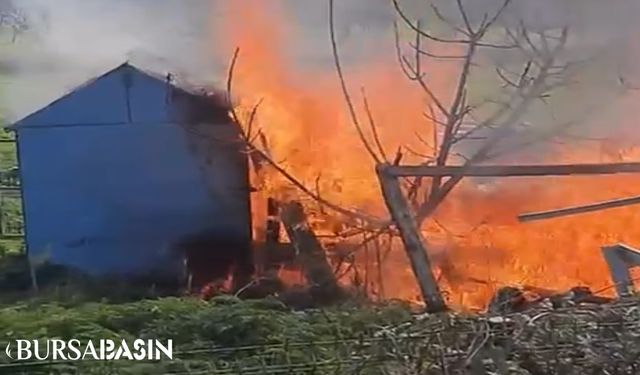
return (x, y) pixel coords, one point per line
(317, 270)
(273, 222)
(381, 294)
(509, 170)
(272, 239)
(567, 211)
(412, 240)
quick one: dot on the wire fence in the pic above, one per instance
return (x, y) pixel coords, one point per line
(599, 340)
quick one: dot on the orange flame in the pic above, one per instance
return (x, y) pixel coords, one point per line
(304, 119)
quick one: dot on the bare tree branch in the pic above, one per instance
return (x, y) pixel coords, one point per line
(482, 154)
(465, 18)
(343, 85)
(450, 23)
(253, 150)
(415, 74)
(505, 79)
(372, 125)
(493, 121)
(424, 52)
(454, 118)
(527, 94)
(484, 27)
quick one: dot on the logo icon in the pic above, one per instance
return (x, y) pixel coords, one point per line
(7, 350)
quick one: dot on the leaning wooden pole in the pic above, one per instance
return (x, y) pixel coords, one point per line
(317, 269)
(575, 210)
(412, 240)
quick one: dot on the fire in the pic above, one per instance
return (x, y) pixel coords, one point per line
(303, 114)
(308, 132)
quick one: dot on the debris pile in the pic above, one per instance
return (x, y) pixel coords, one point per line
(513, 300)
(591, 338)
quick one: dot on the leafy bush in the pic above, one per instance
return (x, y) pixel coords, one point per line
(192, 324)
(230, 336)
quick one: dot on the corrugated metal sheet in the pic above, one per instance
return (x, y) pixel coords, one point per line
(120, 170)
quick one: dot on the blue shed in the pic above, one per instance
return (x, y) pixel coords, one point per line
(127, 171)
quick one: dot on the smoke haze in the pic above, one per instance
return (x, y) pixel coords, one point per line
(70, 41)
(307, 126)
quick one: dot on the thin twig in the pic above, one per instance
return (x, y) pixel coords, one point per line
(374, 128)
(343, 85)
(252, 149)
(429, 36)
(413, 75)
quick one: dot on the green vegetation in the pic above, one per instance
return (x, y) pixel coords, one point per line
(10, 204)
(11, 211)
(10, 201)
(197, 328)
(7, 150)
(230, 336)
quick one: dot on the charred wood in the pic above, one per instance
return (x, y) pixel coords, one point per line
(272, 240)
(575, 210)
(509, 300)
(580, 295)
(508, 170)
(316, 268)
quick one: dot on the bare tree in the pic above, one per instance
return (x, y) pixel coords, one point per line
(464, 132)
(14, 19)
(257, 149)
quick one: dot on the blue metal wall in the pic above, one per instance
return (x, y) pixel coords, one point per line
(111, 180)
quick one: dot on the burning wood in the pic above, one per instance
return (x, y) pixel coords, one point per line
(510, 170)
(413, 241)
(620, 259)
(578, 209)
(512, 299)
(300, 122)
(272, 247)
(507, 300)
(316, 268)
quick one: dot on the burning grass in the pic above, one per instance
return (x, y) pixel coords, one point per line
(305, 128)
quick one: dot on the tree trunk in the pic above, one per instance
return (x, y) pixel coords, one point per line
(317, 270)
(412, 240)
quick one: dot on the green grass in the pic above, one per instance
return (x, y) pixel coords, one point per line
(195, 326)
(264, 334)
(10, 209)
(8, 157)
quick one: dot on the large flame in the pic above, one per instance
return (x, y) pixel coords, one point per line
(308, 131)
(304, 116)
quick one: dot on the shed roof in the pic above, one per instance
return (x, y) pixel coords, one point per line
(199, 95)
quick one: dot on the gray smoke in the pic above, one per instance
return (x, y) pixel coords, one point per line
(70, 41)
